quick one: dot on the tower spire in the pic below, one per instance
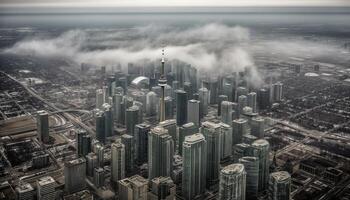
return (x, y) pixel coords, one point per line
(162, 83)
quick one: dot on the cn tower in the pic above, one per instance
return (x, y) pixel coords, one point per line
(162, 83)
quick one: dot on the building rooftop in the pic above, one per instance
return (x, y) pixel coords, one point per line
(260, 142)
(233, 169)
(281, 176)
(46, 180)
(194, 138)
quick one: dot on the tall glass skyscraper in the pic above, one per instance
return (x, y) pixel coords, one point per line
(160, 153)
(261, 150)
(232, 182)
(194, 161)
(279, 186)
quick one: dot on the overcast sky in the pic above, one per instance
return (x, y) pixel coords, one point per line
(103, 3)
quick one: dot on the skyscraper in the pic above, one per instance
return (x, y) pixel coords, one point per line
(279, 186)
(83, 143)
(108, 114)
(252, 101)
(225, 141)
(151, 103)
(141, 140)
(131, 119)
(277, 91)
(135, 187)
(43, 126)
(160, 153)
(251, 166)
(100, 126)
(162, 188)
(240, 150)
(232, 182)
(194, 160)
(99, 177)
(99, 98)
(74, 175)
(261, 150)
(117, 161)
(263, 98)
(91, 164)
(170, 126)
(193, 112)
(242, 102)
(128, 142)
(181, 107)
(239, 128)
(221, 98)
(226, 112)
(211, 132)
(204, 101)
(24, 191)
(46, 188)
(117, 107)
(186, 130)
(257, 127)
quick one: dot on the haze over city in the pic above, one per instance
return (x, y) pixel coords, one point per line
(199, 99)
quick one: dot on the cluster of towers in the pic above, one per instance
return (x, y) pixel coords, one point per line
(193, 146)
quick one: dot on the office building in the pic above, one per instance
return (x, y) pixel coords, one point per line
(261, 150)
(257, 127)
(279, 186)
(186, 130)
(141, 142)
(251, 98)
(128, 142)
(239, 128)
(193, 112)
(83, 143)
(100, 126)
(181, 107)
(169, 108)
(99, 177)
(109, 123)
(74, 175)
(228, 91)
(225, 141)
(99, 98)
(242, 102)
(91, 164)
(194, 170)
(203, 95)
(132, 188)
(131, 119)
(211, 132)
(46, 188)
(170, 126)
(151, 103)
(251, 166)
(162, 188)
(241, 91)
(160, 153)
(117, 107)
(277, 91)
(43, 126)
(263, 98)
(100, 151)
(117, 161)
(241, 150)
(226, 112)
(24, 191)
(40, 159)
(232, 182)
(221, 98)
